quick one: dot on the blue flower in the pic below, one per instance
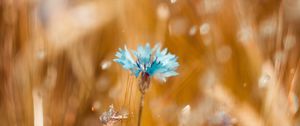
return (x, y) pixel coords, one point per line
(152, 62)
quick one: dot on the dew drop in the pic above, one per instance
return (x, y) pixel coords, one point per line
(263, 80)
(204, 28)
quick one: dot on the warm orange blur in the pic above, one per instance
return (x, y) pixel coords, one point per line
(239, 62)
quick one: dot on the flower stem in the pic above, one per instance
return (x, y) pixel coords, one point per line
(141, 109)
(144, 84)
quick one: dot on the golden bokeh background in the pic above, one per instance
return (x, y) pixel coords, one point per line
(239, 62)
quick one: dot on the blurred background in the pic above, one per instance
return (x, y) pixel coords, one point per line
(239, 62)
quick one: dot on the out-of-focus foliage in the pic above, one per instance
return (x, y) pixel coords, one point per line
(239, 62)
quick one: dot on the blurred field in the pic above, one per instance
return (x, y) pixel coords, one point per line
(239, 62)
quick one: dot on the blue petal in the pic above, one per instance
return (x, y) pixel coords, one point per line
(143, 54)
(164, 65)
(124, 58)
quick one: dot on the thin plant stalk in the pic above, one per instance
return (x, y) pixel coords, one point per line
(144, 84)
(141, 109)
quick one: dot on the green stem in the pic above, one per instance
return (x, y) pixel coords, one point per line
(141, 109)
(144, 84)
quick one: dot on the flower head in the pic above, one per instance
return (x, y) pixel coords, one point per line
(152, 62)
